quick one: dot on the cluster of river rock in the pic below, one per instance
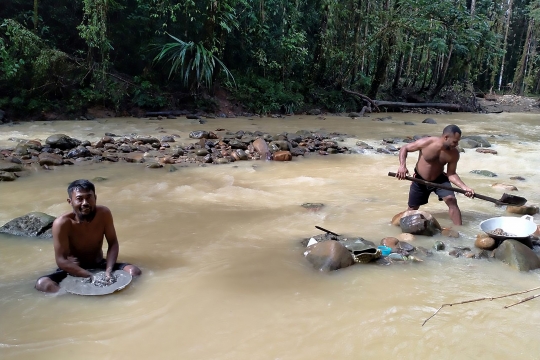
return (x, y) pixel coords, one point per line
(209, 147)
(329, 251)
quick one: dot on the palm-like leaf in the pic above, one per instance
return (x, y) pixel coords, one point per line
(191, 59)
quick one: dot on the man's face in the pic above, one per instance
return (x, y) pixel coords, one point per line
(451, 141)
(83, 203)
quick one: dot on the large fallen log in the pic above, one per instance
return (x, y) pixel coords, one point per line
(363, 97)
(442, 106)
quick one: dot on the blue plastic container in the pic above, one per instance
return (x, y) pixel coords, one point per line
(385, 250)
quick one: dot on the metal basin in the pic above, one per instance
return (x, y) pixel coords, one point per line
(521, 228)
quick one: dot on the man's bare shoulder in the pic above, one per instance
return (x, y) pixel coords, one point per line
(63, 220)
(421, 143)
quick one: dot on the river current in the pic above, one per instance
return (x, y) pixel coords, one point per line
(224, 275)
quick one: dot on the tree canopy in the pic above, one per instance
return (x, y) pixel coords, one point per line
(271, 55)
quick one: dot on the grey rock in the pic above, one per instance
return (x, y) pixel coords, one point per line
(483, 173)
(429, 121)
(7, 176)
(329, 255)
(199, 134)
(479, 139)
(517, 255)
(78, 152)
(147, 139)
(468, 143)
(62, 142)
(314, 112)
(167, 138)
(50, 159)
(10, 167)
(34, 224)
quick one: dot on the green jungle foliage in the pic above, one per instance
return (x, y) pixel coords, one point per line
(271, 56)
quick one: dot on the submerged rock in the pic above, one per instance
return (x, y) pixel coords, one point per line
(329, 255)
(522, 210)
(483, 173)
(34, 224)
(7, 176)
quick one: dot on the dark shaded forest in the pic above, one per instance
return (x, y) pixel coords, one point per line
(267, 55)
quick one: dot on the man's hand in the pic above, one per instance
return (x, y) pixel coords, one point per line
(402, 172)
(469, 192)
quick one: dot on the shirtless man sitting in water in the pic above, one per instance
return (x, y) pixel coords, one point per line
(78, 239)
(435, 153)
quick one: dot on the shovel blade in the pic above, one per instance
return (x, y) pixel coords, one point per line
(513, 200)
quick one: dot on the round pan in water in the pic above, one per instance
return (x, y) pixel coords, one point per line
(80, 286)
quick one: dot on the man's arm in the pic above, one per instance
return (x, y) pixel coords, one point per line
(112, 240)
(410, 147)
(454, 177)
(60, 230)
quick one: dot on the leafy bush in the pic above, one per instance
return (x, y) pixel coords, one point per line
(263, 96)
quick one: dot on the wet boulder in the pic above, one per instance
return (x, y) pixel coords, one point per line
(505, 187)
(282, 156)
(522, 210)
(78, 152)
(484, 242)
(7, 176)
(517, 255)
(50, 159)
(62, 142)
(199, 134)
(10, 167)
(328, 255)
(468, 144)
(482, 142)
(484, 173)
(147, 139)
(34, 224)
(429, 121)
(486, 151)
(397, 218)
(418, 224)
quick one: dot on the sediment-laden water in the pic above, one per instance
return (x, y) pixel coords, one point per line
(223, 271)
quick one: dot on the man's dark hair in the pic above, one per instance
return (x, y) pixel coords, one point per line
(451, 129)
(81, 184)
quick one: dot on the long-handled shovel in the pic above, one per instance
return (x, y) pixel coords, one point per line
(506, 199)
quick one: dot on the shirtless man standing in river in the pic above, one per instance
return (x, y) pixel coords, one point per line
(435, 153)
(78, 239)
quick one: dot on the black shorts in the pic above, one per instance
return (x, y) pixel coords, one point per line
(419, 193)
(60, 274)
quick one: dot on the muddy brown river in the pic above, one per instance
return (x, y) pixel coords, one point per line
(224, 275)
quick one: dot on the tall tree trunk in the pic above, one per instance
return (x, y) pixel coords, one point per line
(442, 76)
(399, 70)
(519, 75)
(473, 7)
(385, 53)
(507, 15)
(319, 64)
(426, 69)
(409, 62)
(357, 29)
(35, 15)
